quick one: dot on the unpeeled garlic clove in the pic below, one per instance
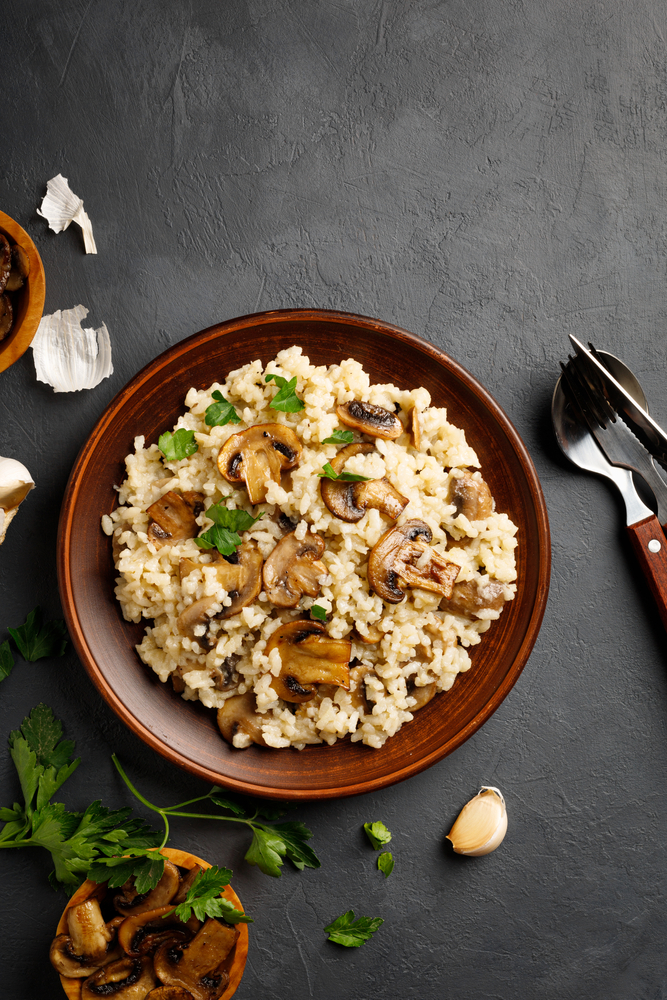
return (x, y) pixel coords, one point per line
(15, 484)
(481, 825)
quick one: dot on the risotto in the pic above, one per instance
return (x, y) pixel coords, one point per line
(310, 572)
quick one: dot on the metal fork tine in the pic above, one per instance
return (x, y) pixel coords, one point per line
(597, 389)
(579, 395)
(595, 400)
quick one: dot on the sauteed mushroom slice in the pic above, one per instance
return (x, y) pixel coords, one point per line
(293, 569)
(370, 419)
(422, 695)
(173, 517)
(127, 979)
(239, 715)
(198, 966)
(358, 693)
(349, 500)
(129, 902)
(309, 656)
(239, 574)
(471, 597)
(373, 635)
(142, 933)
(259, 453)
(404, 558)
(6, 316)
(471, 497)
(88, 946)
(5, 261)
(20, 269)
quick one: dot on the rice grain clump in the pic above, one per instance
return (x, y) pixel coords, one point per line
(407, 566)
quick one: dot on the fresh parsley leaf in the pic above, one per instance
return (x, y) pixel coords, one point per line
(145, 866)
(204, 900)
(339, 437)
(352, 933)
(224, 536)
(286, 398)
(267, 851)
(378, 834)
(221, 412)
(35, 641)
(178, 445)
(317, 611)
(386, 863)
(229, 804)
(346, 477)
(294, 836)
(6, 660)
(43, 732)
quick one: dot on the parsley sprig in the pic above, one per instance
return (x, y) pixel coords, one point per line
(386, 863)
(221, 412)
(317, 611)
(34, 640)
(286, 398)
(224, 536)
(178, 445)
(352, 933)
(347, 477)
(378, 834)
(339, 437)
(204, 899)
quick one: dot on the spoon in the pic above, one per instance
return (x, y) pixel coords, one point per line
(579, 446)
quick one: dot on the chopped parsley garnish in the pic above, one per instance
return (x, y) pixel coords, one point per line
(348, 477)
(339, 437)
(6, 660)
(221, 412)
(386, 863)
(178, 445)
(204, 899)
(224, 536)
(378, 834)
(352, 933)
(286, 398)
(317, 611)
(35, 640)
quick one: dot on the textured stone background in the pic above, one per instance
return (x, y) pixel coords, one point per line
(490, 175)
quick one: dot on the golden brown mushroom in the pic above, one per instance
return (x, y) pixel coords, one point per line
(239, 715)
(129, 901)
(404, 558)
(198, 967)
(89, 945)
(126, 979)
(350, 500)
(142, 933)
(20, 269)
(370, 419)
(469, 598)
(259, 453)
(173, 517)
(169, 993)
(239, 574)
(471, 497)
(293, 569)
(309, 656)
(422, 695)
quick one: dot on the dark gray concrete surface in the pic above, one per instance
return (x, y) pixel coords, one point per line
(491, 176)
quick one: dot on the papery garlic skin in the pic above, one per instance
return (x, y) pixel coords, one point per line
(15, 484)
(70, 357)
(60, 206)
(481, 825)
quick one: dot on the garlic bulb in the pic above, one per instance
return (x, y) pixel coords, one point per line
(15, 484)
(481, 825)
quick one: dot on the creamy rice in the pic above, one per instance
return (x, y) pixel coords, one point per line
(420, 643)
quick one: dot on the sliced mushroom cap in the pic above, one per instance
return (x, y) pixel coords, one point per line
(129, 902)
(142, 933)
(470, 597)
(127, 979)
(6, 316)
(20, 269)
(239, 574)
(239, 715)
(404, 558)
(257, 454)
(293, 569)
(198, 967)
(358, 693)
(349, 500)
(186, 884)
(88, 946)
(373, 635)
(422, 695)
(5, 261)
(173, 517)
(309, 656)
(471, 497)
(370, 419)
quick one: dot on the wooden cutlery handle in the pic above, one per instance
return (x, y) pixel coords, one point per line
(650, 545)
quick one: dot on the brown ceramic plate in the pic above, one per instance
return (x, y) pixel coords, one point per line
(185, 732)
(237, 957)
(28, 301)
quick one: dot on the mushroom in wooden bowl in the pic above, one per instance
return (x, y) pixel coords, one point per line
(132, 946)
(22, 290)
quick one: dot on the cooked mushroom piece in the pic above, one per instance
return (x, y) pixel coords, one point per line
(471, 497)
(129, 901)
(198, 967)
(370, 419)
(309, 656)
(261, 452)
(404, 558)
(415, 426)
(127, 979)
(169, 993)
(470, 597)
(6, 316)
(20, 269)
(358, 693)
(349, 500)
(239, 715)
(239, 574)
(293, 569)
(88, 946)
(5, 261)
(422, 695)
(142, 933)
(173, 517)
(373, 635)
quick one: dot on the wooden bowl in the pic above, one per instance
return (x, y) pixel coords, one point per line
(72, 987)
(28, 301)
(186, 733)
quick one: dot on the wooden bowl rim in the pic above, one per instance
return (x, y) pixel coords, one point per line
(542, 555)
(19, 340)
(183, 859)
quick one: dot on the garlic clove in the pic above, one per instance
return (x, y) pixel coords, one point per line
(15, 484)
(481, 825)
